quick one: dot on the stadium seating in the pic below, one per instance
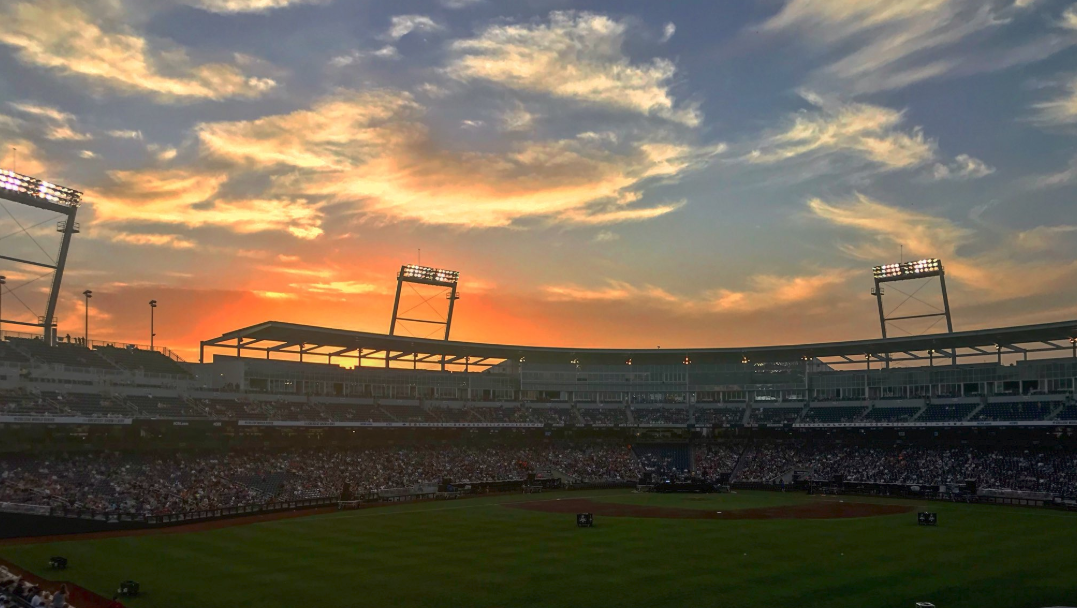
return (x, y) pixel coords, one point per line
(11, 354)
(147, 361)
(775, 415)
(454, 414)
(552, 415)
(406, 413)
(891, 414)
(1033, 410)
(663, 459)
(504, 414)
(1069, 412)
(355, 412)
(660, 415)
(233, 409)
(707, 416)
(604, 415)
(163, 407)
(947, 412)
(834, 414)
(87, 404)
(68, 355)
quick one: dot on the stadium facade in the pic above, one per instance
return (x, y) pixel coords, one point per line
(281, 374)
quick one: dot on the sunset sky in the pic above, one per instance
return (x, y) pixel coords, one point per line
(623, 174)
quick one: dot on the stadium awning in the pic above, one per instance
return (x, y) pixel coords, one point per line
(278, 337)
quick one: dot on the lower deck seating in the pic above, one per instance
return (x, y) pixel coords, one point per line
(355, 412)
(660, 415)
(407, 413)
(664, 458)
(504, 413)
(706, 416)
(87, 404)
(1034, 410)
(552, 415)
(836, 414)
(604, 415)
(775, 415)
(233, 409)
(947, 412)
(891, 414)
(163, 407)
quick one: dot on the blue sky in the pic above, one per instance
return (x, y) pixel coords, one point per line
(629, 173)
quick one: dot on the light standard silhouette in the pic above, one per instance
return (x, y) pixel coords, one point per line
(153, 305)
(86, 332)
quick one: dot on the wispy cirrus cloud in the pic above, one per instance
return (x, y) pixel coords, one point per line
(761, 292)
(108, 54)
(1064, 177)
(964, 167)
(1060, 110)
(58, 124)
(402, 25)
(173, 241)
(575, 55)
(125, 134)
(372, 151)
(1069, 18)
(861, 132)
(996, 271)
(249, 6)
(192, 198)
(876, 45)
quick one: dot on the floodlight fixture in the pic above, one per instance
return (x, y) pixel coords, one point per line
(929, 267)
(426, 275)
(41, 194)
(906, 271)
(17, 184)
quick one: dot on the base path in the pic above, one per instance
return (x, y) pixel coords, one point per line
(813, 510)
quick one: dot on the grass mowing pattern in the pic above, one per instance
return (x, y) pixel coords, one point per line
(476, 553)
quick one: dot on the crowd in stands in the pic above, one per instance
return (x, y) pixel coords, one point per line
(713, 460)
(15, 592)
(161, 484)
(1024, 470)
(165, 483)
(660, 415)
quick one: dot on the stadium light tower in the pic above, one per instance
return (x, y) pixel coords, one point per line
(908, 271)
(33, 192)
(425, 275)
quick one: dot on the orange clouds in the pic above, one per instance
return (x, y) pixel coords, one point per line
(997, 270)
(107, 53)
(575, 56)
(372, 150)
(188, 197)
(861, 130)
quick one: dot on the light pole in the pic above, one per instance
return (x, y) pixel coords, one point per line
(86, 334)
(3, 281)
(153, 305)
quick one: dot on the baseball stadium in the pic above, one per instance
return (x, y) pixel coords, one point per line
(302, 465)
(343, 304)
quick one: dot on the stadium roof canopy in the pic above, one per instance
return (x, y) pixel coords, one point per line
(306, 340)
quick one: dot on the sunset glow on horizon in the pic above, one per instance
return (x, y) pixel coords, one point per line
(601, 174)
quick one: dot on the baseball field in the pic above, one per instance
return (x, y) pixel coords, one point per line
(741, 550)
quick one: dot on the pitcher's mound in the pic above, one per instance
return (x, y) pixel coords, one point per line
(813, 510)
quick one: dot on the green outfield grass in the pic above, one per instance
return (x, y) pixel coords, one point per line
(478, 553)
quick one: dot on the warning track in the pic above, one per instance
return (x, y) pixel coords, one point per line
(814, 510)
